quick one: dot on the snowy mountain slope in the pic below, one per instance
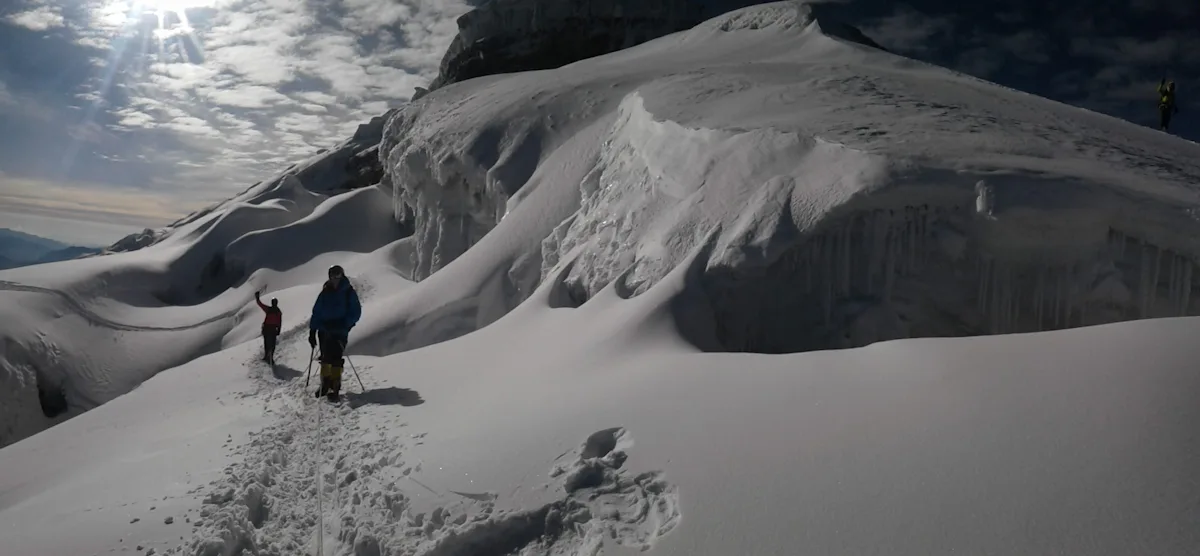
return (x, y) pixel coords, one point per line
(801, 151)
(77, 334)
(566, 431)
(19, 246)
(21, 249)
(601, 229)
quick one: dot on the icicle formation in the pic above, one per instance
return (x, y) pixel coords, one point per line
(917, 270)
(1123, 283)
(1154, 298)
(864, 254)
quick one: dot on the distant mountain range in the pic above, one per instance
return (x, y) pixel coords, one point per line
(22, 249)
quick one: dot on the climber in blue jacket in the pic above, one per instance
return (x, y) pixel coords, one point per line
(335, 312)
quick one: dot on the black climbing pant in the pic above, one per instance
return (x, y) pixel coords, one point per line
(333, 348)
(270, 335)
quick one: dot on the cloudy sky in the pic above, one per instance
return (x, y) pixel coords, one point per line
(117, 115)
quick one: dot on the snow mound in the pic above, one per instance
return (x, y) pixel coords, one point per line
(162, 298)
(587, 240)
(841, 195)
(783, 16)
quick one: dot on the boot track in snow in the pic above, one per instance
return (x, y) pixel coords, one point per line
(323, 481)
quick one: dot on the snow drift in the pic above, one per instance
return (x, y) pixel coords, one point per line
(76, 334)
(584, 240)
(836, 206)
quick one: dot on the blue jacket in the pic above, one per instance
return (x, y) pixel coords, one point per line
(336, 311)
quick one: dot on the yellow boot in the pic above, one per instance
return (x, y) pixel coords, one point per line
(335, 382)
(326, 375)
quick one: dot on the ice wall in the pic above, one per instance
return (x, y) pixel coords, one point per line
(904, 270)
(452, 176)
(818, 246)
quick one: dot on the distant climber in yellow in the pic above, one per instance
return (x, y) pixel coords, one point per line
(1166, 103)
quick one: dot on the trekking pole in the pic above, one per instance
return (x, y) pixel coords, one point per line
(360, 384)
(311, 357)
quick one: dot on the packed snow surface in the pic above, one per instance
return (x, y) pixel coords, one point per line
(591, 243)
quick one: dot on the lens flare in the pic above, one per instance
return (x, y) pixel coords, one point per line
(175, 6)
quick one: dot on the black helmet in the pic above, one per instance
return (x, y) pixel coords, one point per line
(336, 270)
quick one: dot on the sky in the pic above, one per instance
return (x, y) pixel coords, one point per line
(1103, 55)
(117, 115)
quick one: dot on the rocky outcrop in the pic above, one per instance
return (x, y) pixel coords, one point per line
(353, 164)
(506, 36)
(363, 168)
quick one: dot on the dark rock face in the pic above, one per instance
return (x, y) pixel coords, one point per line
(364, 169)
(506, 36)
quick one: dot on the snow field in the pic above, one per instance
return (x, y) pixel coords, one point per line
(589, 241)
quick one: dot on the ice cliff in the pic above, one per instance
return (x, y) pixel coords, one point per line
(831, 194)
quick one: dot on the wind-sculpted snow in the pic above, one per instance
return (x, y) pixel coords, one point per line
(842, 195)
(821, 244)
(108, 323)
(586, 238)
(78, 308)
(44, 381)
(352, 164)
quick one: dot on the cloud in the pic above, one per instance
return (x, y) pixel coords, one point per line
(41, 18)
(1027, 45)
(72, 230)
(980, 61)
(1177, 8)
(268, 81)
(908, 30)
(89, 201)
(191, 107)
(7, 99)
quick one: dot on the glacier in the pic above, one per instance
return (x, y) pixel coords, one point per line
(599, 307)
(857, 222)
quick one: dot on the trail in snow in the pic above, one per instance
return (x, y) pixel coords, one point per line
(331, 474)
(78, 308)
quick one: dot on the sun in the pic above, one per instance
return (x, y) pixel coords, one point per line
(174, 6)
(174, 25)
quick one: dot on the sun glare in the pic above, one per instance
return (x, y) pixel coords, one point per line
(175, 6)
(174, 26)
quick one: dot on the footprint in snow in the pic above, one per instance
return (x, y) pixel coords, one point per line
(601, 503)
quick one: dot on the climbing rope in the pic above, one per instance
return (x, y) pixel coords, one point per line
(320, 486)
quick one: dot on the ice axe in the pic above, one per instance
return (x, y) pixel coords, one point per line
(347, 356)
(311, 357)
